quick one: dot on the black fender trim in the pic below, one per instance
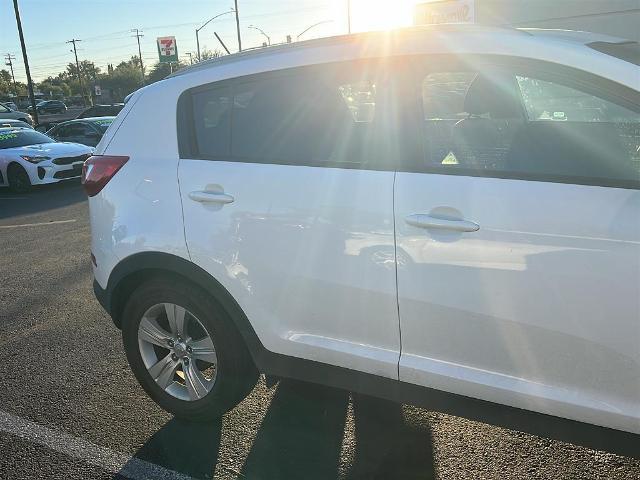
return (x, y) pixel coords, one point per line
(277, 365)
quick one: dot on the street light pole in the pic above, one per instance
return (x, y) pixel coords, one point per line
(312, 26)
(205, 24)
(238, 26)
(26, 63)
(262, 32)
(349, 16)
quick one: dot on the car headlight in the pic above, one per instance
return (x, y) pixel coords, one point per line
(34, 159)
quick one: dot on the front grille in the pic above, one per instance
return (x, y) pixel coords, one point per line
(74, 172)
(70, 160)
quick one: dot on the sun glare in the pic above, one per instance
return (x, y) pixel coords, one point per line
(380, 14)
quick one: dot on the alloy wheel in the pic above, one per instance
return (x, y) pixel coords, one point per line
(177, 351)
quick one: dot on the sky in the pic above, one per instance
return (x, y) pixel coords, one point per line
(104, 26)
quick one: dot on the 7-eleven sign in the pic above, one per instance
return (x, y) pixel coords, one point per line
(167, 49)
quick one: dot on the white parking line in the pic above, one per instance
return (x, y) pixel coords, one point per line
(79, 449)
(54, 222)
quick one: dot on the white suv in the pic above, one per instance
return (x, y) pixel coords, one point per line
(445, 216)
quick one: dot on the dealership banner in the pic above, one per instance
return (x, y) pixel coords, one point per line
(167, 49)
(445, 11)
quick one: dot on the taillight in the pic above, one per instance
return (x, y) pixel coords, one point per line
(98, 170)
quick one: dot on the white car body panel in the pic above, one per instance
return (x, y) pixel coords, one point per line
(141, 211)
(287, 251)
(581, 241)
(538, 309)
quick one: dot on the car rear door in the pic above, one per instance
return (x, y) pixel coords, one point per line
(518, 237)
(287, 189)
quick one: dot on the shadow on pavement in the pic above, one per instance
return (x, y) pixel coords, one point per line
(386, 446)
(184, 447)
(40, 199)
(301, 436)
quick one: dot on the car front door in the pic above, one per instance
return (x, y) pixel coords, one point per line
(288, 202)
(518, 236)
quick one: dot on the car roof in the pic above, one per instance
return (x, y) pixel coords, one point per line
(13, 129)
(88, 119)
(559, 46)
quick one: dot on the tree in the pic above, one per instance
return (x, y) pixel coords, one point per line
(124, 79)
(6, 85)
(160, 71)
(209, 54)
(87, 69)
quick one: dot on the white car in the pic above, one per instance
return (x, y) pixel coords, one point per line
(6, 112)
(28, 157)
(444, 216)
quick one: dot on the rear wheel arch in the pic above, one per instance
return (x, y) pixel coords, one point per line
(133, 271)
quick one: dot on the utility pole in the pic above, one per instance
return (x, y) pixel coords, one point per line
(349, 16)
(26, 63)
(75, 52)
(238, 26)
(9, 63)
(138, 35)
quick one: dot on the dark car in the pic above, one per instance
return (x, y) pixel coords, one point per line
(87, 131)
(49, 106)
(102, 111)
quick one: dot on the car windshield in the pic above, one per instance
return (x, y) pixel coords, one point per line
(22, 138)
(103, 124)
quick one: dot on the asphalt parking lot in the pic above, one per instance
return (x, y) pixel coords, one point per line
(70, 408)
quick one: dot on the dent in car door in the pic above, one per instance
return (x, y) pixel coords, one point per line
(289, 218)
(522, 292)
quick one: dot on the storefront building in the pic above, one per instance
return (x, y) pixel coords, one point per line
(620, 18)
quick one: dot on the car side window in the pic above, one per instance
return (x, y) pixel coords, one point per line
(305, 119)
(61, 132)
(314, 116)
(212, 121)
(4, 109)
(549, 101)
(503, 123)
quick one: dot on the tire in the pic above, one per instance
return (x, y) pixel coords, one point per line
(235, 373)
(18, 178)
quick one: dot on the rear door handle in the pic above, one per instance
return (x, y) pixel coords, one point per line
(422, 220)
(211, 197)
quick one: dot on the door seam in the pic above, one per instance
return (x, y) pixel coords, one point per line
(395, 263)
(184, 226)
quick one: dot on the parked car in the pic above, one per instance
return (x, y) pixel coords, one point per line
(7, 113)
(9, 122)
(49, 106)
(102, 111)
(88, 131)
(475, 252)
(10, 105)
(28, 157)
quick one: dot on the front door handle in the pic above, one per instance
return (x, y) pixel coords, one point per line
(422, 220)
(211, 197)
